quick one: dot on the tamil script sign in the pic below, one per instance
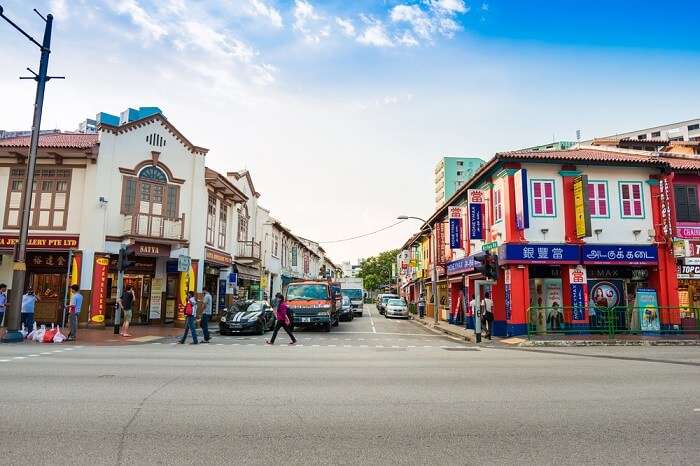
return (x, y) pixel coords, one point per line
(622, 254)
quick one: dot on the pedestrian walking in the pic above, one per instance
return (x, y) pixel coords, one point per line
(283, 321)
(190, 317)
(487, 320)
(126, 303)
(28, 304)
(206, 314)
(76, 303)
(3, 303)
(421, 305)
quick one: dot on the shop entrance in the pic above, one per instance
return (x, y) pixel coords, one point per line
(612, 295)
(481, 287)
(546, 299)
(47, 273)
(142, 291)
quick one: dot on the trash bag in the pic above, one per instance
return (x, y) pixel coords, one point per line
(48, 335)
(39, 334)
(30, 335)
(59, 337)
(24, 331)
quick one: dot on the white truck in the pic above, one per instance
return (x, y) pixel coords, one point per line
(354, 289)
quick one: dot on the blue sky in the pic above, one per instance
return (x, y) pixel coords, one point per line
(341, 109)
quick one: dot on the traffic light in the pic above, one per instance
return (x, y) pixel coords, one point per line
(124, 261)
(493, 267)
(486, 265)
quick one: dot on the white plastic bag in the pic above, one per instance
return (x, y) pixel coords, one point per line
(24, 331)
(59, 337)
(30, 336)
(39, 334)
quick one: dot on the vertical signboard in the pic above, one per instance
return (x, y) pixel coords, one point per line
(522, 213)
(156, 298)
(188, 282)
(648, 308)
(440, 243)
(455, 215)
(476, 213)
(667, 206)
(99, 289)
(581, 208)
(507, 281)
(577, 285)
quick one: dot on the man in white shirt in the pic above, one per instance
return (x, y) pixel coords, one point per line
(206, 314)
(3, 302)
(487, 319)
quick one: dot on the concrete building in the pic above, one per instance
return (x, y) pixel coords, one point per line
(557, 145)
(451, 173)
(688, 130)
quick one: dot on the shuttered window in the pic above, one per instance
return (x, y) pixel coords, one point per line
(686, 197)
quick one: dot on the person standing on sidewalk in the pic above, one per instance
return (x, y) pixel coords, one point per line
(421, 306)
(206, 314)
(3, 302)
(76, 303)
(190, 318)
(487, 306)
(126, 303)
(28, 304)
(283, 321)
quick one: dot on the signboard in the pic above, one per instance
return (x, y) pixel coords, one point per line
(577, 286)
(149, 250)
(440, 243)
(465, 264)
(522, 214)
(692, 261)
(606, 293)
(679, 248)
(666, 196)
(693, 249)
(217, 257)
(41, 242)
(622, 254)
(508, 300)
(455, 215)
(183, 263)
(689, 271)
(581, 207)
(536, 253)
(187, 282)
(489, 246)
(476, 213)
(100, 270)
(233, 278)
(156, 298)
(393, 270)
(688, 232)
(648, 307)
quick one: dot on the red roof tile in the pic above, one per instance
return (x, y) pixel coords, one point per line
(583, 155)
(55, 141)
(683, 163)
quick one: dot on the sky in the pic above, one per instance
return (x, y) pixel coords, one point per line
(341, 109)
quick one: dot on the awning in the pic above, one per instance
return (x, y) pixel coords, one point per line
(246, 272)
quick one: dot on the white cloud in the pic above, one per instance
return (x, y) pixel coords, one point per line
(427, 19)
(413, 15)
(59, 9)
(215, 42)
(407, 39)
(448, 6)
(346, 26)
(375, 34)
(484, 6)
(148, 25)
(259, 8)
(309, 23)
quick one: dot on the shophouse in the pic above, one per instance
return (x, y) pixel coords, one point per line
(248, 252)
(569, 228)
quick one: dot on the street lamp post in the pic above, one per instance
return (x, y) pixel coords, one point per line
(433, 255)
(19, 269)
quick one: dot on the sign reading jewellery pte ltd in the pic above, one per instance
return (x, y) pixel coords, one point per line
(619, 254)
(536, 253)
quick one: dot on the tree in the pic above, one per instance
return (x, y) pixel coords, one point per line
(376, 270)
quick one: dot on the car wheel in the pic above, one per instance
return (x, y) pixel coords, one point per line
(327, 327)
(261, 329)
(336, 322)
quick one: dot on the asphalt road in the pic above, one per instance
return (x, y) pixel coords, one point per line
(370, 392)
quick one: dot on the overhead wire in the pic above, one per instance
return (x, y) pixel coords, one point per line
(363, 235)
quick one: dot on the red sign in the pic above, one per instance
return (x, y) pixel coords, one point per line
(41, 242)
(440, 243)
(150, 250)
(688, 232)
(99, 289)
(218, 257)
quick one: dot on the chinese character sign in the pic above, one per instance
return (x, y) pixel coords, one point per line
(456, 214)
(476, 213)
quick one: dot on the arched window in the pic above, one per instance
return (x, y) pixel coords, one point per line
(153, 173)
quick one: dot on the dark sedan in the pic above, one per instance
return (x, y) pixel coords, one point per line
(247, 317)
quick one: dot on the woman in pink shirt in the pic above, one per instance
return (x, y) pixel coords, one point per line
(283, 321)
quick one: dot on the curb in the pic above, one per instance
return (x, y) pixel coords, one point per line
(554, 343)
(445, 331)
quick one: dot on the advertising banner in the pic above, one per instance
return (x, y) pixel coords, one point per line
(581, 207)
(648, 308)
(606, 293)
(522, 214)
(539, 253)
(577, 285)
(188, 282)
(554, 303)
(622, 254)
(455, 215)
(476, 213)
(157, 288)
(667, 207)
(99, 289)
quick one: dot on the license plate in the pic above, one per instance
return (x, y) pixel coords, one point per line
(237, 326)
(305, 319)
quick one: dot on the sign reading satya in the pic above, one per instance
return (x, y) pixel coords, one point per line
(581, 208)
(40, 242)
(150, 250)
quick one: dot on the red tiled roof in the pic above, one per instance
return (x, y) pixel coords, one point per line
(683, 163)
(583, 155)
(55, 141)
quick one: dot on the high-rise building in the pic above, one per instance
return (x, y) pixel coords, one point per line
(688, 130)
(450, 173)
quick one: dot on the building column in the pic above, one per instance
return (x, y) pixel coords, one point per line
(519, 301)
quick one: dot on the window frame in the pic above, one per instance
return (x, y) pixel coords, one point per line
(167, 210)
(223, 225)
(211, 220)
(685, 187)
(607, 199)
(621, 200)
(531, 195)
(35, 210)
(243, 223)
(497, 205)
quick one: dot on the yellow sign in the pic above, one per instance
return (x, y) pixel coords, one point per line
(583, 218)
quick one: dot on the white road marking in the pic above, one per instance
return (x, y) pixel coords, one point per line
(33, 355)
(236, 344)
(427, 346)
(299, 344)
(18, 357)
(697, 410)
(371, 321)
(331, 346)
(48, 352)
(4, 360)
(363, 346)
(71, 349)
(57, 351)
(219, 344)
(410, 346)
(395, 346)
(315, 345)
(347, 346)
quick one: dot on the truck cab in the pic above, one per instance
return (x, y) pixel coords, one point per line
(312, 304)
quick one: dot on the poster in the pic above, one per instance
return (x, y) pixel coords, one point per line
(648, 309)
(188, 282)
(99, 289)
(156, 298)
(553, 299)
(537, 311)
(508, 302)
(606, 293)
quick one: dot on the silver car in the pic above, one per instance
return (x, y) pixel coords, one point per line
(396, 308)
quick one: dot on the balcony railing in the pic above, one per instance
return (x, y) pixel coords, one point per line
(154, 226)
(248, 250)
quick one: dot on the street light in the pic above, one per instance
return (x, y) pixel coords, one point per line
(19, 268)
(433, 260)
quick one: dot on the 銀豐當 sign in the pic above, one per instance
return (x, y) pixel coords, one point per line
(537, 253)
(619, 254)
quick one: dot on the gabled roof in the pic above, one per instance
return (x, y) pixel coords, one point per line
(77, 141)
(159, 117)
(219, 182)
(244, 173)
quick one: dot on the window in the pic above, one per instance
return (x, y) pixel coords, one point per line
(211, 220)
(460, 163)
(642, 137)
(50, 195)
(656, 134)
(497, 206)
(223, 212)
(243, 224)
(153, 173)
(598, 199)
(543, 201)
(149, 194)
(693, 127)
(275, 245)
(631, 202)
(460, 173)
(686, 203)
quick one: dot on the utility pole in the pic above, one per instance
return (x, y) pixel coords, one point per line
(19, 268)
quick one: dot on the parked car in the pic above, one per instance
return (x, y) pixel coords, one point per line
(247, 316)
(346, 309)
(312, 303)
(396, 308)
(382, 300)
